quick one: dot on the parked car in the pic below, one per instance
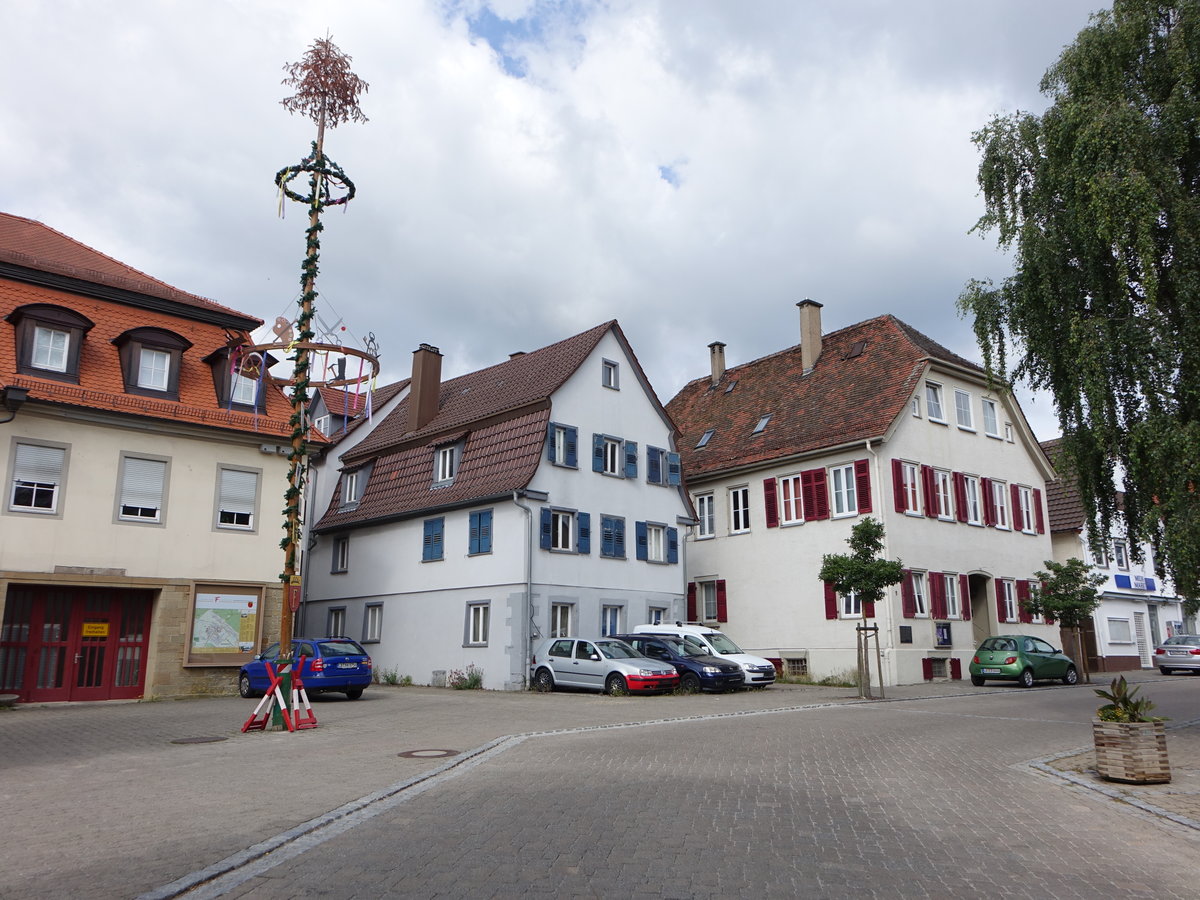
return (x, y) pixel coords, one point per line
(759, 672)
(1180, 653)
(605, 665)
(331, 664)
(1021, 658)
(698, 670)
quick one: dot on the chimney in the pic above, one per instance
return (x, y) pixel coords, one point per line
(426, 388)
(810, 333)
(716, 355)
(516, 354)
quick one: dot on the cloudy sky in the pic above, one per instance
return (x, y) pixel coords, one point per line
(692, 168)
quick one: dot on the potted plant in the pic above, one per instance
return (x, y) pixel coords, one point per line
(1131, 745)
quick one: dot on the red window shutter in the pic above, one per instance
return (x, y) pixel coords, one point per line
(815, 494)
(989, 504)
(831, 602)
(722, 602)
(898, 485)
(908, 599)
(929, 489)
(999, 603)
(1014, 494)
(862, 484)
(964, 597)
(1037, 511)
(771, 502)
(956, 668)
(691, 602)
(937, 595)
(868, 609)
(1022, 596)
(960, 496)
(927, 669)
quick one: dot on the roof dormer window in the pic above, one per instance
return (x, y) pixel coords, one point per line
(238, 378)
(48, 340)
(150, 361)
(154, 368)
(50, 348)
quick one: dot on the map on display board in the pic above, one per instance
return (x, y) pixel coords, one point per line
(225, 623)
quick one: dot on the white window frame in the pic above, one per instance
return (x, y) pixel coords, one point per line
(562, 530)
(372, 623)
(51, 348)
(849, 606)
(154, 369)
(1009, 600)
(963, 414)
(323, 424)
(610, 374)
(991, 418)
(1101, 559)
(910, 477)
(916, 407)
(142, 489)
(953, 604)
(739, 509)
(933, 402)
(479, 624)
(45, 462)
(610, 620)
(656, 615)
(656, 543)
(235, 497)
(974, 499)
(447, 464)
(705, 516)
(244, 390)
(341, 555)
(1000, 504)
(706, 599)
(1120, 555)
(791, 505)
(336, 622)
(1122, 633)
(614, 456)
(350, 488)
(1025, 498)
(920, 592)
(561, 616)
(843, 491)
(943, 490)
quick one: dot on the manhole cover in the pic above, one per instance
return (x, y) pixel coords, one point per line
(198, 740)
(427, 754)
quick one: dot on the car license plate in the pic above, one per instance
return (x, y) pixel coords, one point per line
(347, 665)
(1178, 653)
(990, 671)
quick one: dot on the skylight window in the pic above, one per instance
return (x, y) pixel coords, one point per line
(762, 424)
(729, 387)
(705, 438)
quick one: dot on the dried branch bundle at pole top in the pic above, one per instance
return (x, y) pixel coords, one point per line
(326, 90)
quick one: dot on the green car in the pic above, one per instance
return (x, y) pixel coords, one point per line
(1020, 658)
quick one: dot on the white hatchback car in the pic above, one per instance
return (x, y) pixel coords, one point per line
(600, 665)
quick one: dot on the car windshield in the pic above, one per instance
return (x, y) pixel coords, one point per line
(685, 648)
(617, 650)
(721, 643)
(1191, 640)
(1003, 644)
(341, 648)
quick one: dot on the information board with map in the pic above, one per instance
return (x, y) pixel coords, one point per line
(225, 626)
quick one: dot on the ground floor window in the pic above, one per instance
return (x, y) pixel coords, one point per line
(657, 615)
(373, 623)
(478, 623)
(610, 620)
(560, 620)
(336, 622)
(795, 667)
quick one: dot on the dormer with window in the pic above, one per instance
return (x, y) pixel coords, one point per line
(48, 340)
(354, 484)
(150, 361)
(446, 459)
(239, 379)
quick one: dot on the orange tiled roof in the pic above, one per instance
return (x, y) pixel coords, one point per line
(847, 397)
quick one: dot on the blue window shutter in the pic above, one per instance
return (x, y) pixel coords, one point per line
(572, 447)
(432, 541)
(672, 545)
(584, 522)
(473, 534)
(640, 538)
(631, 449)
(674, 470)
(427, 541)
(1122, 581)
(1150, 584)
(597, 453)
(607, 536)
(485, 531)
(619, 538)
(550, 442)
(438, 543)
(654, 465)
(546, 526)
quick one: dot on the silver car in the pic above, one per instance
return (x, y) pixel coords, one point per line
(600, 665)
(1179, 653)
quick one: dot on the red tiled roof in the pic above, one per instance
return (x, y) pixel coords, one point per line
(32, 245)
(1064, 505)
(343, 404)
(845, 398)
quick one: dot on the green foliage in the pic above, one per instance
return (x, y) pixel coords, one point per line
(862, 571)
(1068, 592)
(469, 679)
(1123, 705)
(1099, 198)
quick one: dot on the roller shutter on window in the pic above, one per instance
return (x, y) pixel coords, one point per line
(142, 486)
(40, 465)
(238, 490)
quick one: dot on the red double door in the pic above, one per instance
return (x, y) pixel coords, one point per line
(72, 643)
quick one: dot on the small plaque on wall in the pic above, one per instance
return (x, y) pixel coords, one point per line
(942, 633)
(906, 634)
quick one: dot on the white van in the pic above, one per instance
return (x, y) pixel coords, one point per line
(759, 672)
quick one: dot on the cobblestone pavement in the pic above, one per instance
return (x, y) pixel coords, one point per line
(931, 794)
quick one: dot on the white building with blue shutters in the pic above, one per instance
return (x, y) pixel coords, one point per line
(467, 525)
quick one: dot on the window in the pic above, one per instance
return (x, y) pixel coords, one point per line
(612, 537)
(908, 487)
(1100, 557)
(657, 543)
(707, 591)
(562, 445)
(350, 488)
(991, 423)
(49, 339)
(942, 491)
(153, 368)
(610, 620)
(237, 498)
(1120, 556)
(563, 525)
(37, 475)
(920, 607)
(447, 464)
(850, 607)
(1024, 510)
(245, 391)
(560, 620)
(999, 504)
(50, 348)
(336, 622)
(739, 510)
(1119, 632)
(237, 378)
(656, 538)
(845, 502)
(762, 424)
(950, 582)
(142, 489)
(372, 623)
(479, 538)
(705, 525)
(971, 492)
(916, 407)
(933, 401)
(610, 374)
(791, 507)
(151, 359)
(705, 438)
(323, 424)
(657, 615)
(478, 623)
(566, 531)
(962, 410)
(662, 467)
(1008, 434)
(1006, 599)
(433, 539)
(610, 456)
(341, 555)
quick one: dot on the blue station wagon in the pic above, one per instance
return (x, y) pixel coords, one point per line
(331, 664)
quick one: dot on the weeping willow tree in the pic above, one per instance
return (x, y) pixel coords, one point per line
(1098, 198)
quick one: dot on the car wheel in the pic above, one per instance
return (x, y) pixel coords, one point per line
(689, 683)
(977, 680)
(1072, 677)
(244, 686)
(615, 685)
(1164, 670)
(1027, 678)
(543, 681)
(354, 693)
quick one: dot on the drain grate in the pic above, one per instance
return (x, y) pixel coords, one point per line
(198, 740)
(428, 754)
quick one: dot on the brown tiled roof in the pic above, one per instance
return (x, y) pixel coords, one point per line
(32, 245)
(1064, 506)
(343, 404)
(101, 385)
(846, 398)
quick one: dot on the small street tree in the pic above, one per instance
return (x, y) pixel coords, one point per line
(867, 575)
(1068, 593)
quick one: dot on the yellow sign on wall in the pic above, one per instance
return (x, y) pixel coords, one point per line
(95, 629)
